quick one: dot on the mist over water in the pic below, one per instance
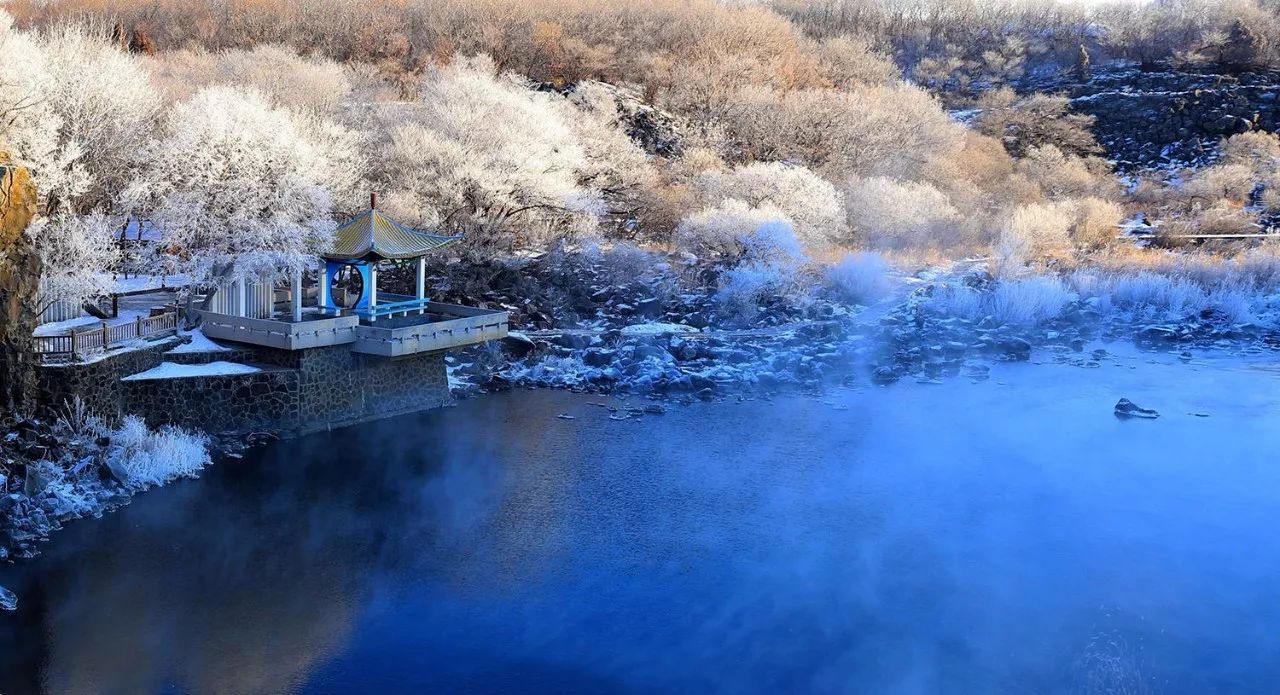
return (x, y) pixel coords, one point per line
(1007, 535)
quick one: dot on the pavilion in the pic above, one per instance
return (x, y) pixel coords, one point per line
(349, 276)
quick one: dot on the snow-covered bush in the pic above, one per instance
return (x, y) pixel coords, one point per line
(144, 457)
(28, 125)
(305, 83)
(958, 300)
(1097, 222)
(76, 111)
(875, 130)
(1034, 232)
(1029, 300)
(743, 288)
(238, 189)
(886, 213)
(614, 164)
(1062, 175)
(814, 206)
(1174, 295)
(860, 277)
(722, 230)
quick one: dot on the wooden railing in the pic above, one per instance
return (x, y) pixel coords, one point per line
(106, 335)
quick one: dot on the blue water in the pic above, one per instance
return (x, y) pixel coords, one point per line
(1003, 536)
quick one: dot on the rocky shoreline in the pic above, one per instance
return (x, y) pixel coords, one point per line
(684, 348)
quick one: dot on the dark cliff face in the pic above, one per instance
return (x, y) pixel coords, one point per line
(19, 283)
(1150, 119)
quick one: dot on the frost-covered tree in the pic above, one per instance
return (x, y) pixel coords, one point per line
(77, 111)
(105, 105)
(486, 155)
(29, 127)
(813, 205)
(616, 167)
(237, 189)
(76, 254)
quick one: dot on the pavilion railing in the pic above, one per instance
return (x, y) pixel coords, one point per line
(403, 307)
(83, 342)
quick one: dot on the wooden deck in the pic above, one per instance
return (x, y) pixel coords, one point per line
(442, 327)
(282, 335)
(455, 326)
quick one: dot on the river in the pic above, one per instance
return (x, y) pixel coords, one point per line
(1008, 535)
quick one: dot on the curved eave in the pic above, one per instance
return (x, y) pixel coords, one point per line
(374, 236)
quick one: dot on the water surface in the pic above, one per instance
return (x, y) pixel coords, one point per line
(1003, 536)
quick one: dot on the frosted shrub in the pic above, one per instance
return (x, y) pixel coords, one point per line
(722, 230)
(1034, 232)
(814, 206)
(1154, 292)
(1097, 222)
(1062, 175)
(894, 214)
(1030, 300)
(860, 277)
(871, 130)
(957, 300)
(773, 242)
(745, 287)
(148, 457)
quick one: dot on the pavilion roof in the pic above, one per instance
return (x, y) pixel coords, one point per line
(373, 235)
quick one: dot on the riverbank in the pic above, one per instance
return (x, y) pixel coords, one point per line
(69, 464)
(670, 329)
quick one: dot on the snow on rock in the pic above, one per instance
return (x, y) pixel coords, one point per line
(8, 600)
(199, 343)
(657, 329)
(172, 370)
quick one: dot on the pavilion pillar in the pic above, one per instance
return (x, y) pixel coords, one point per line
(242, 298)
(322, 297)
(422, 283)
(295, 295)
(373, 291)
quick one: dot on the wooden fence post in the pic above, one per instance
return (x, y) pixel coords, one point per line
(137, 326)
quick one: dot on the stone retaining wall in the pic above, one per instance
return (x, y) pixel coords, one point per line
(298, 391)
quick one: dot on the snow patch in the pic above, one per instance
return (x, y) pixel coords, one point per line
(199, 343)
(65, 327)
(172, 370)
(657, 329)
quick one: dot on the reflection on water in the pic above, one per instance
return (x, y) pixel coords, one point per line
(1004, 536)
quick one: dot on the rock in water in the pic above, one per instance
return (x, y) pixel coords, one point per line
(1126, 409)
(8, 600)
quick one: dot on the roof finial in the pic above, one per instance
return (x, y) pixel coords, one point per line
(373, 201)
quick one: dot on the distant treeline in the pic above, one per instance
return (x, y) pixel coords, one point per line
(957, 45)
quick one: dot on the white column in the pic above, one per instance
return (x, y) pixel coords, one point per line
(373, 290)
(295, 295)
(422, 281)
(323, 294)
(242, 299)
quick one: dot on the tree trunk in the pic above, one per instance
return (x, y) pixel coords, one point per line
(19, 289)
